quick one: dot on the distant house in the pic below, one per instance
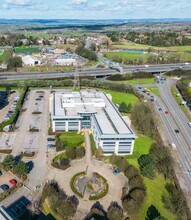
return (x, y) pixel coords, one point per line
(65, 62)
(30, 61)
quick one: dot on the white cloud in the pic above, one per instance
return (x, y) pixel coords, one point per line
(17, 2)
(79, 2)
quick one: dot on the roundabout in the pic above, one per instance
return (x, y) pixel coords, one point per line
(93, 186)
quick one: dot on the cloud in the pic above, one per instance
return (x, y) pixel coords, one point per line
(79, 2)
(17, 2)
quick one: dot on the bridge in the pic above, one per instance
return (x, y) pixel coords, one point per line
(95, 72)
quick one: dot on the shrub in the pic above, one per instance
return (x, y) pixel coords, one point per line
(59, 145)
(147, 165)
(70, 153)
(80, 152)
(72, 183)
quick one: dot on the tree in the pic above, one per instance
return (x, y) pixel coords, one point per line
(64, 163)
(123, 107)
(138, 195)
(8, 162)
(174, 200)
(131, 172)
(66, 209)
(136, 182)
(71, 153)
(154, 214)
(147, 165)
(80, 152)
(114, 212)
(21, 168)
(14, 63)
(130, 206)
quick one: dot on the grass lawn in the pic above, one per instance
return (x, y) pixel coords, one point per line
(6, 55)
(93, 145)
(126, 55)
(154, 90)
(1, 52)
(118, 97)
(179, 101)
(72, 139)
(181, 48)
(154, 188)
(140, 81)
(48, 211)
(27, 50)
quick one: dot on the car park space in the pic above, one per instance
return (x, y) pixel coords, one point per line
(7, 179)
(9, 108)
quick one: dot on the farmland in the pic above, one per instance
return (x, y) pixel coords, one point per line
(26, 50)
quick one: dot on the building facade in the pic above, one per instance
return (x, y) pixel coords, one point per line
(91, 109)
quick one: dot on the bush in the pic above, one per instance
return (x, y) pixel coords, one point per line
(131, 172)
(72, 182)
(59, 145)
(27, 154)
(5, 151)
(34, 130)
(80, 152)
(70, 153)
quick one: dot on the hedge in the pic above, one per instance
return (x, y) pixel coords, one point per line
(72, 181)
(12, 121)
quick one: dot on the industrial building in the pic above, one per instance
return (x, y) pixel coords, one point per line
(91, 109)
(30, 60)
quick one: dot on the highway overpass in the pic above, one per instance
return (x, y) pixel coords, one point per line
(96, 72)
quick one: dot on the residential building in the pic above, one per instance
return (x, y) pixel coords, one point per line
(91, 109)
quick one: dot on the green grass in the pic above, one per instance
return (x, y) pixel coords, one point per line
(93, 145)
(140, 81)
(126, 55)
(72, 139)
(142, 146)
(154, 188)
(48, 211)
(6, 55)
(154, 90)
(1, 52)
(179, 101)
(27, 50)
(181, 48)
(118, 97)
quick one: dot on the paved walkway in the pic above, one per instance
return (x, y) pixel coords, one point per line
(63, 177)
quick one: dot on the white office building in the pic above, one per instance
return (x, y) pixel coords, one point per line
(91, 109)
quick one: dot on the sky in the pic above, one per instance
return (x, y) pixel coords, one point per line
(94, 9)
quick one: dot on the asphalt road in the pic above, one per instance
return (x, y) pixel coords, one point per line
(176, 119)
(93, 72)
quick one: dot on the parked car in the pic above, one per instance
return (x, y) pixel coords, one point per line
(116, 171)
(160, 109)
(4, 187)
(13, 182)
(50, 139)
(189, 124)
(1, 173)
(176, 130)
(50, 145)
(166, 112)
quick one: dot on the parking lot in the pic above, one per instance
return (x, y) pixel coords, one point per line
(5, 178)
(7, 108)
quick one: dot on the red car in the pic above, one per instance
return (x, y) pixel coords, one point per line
(13, 182)
(166, 112)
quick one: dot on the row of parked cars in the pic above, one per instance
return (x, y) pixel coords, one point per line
(12, 182)
(11, 109)
(51, 142)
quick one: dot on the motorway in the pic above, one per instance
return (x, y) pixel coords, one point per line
(97, 72)
(176, 119)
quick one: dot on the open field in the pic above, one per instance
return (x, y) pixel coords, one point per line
(118, 97)
(142, 146)
(131, 45)
(182, 56)
(154, 90)
(5, 55)
(139, 81)
(27, 50)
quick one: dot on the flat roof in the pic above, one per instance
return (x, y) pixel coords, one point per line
(74, 104)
